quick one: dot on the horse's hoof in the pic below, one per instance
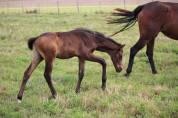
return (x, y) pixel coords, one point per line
(154, 72)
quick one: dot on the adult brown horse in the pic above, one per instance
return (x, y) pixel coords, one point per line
(152, 18)
(80, 43)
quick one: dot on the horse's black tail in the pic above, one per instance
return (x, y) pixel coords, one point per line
(129, 18)
(31, 42)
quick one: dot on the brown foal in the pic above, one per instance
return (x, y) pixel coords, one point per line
(152, 18)
(80, 43)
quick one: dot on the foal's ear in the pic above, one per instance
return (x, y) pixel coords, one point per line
(122, 46)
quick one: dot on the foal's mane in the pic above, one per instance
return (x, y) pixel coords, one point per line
(98, 36)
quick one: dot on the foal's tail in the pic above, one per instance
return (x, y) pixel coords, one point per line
(129, 17)
(31, 42)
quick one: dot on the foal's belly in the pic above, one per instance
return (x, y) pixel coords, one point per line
(65, 53)
(64, 56)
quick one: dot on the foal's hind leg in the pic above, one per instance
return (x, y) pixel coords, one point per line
(80, 74)
(36, 60)
(94, 58)
(149, 53)
(47, 75)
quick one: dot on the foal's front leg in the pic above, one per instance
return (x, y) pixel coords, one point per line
(94, 58)
(80, 74)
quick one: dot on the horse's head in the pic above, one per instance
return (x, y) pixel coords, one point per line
(116, 57)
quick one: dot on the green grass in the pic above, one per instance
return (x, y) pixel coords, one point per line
(143, 95)
(62, 9)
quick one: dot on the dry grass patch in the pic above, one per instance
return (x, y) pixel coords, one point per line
(159, 89)
(2, 89)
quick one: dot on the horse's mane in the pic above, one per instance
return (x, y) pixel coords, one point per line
(98, 35)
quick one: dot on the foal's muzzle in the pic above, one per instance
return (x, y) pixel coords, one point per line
(119, 69)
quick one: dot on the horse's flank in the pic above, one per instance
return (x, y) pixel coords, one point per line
(153, 17)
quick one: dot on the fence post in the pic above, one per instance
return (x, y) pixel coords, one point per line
(77, 3)
(22, 6)
(39, 8)
(99, 3)
(124, 4)
(7, 6)
(58, 7)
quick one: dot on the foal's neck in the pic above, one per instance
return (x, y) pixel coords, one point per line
(108, 45)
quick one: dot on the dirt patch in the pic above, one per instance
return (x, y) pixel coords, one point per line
(2, 89)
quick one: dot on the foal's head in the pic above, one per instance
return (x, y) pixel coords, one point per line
(116, 57)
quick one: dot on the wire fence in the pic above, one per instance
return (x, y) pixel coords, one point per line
(59, 6)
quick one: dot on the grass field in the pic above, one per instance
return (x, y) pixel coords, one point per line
(142, 95)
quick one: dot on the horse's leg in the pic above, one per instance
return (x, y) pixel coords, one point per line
(47, 75)
(149, 53)
(133, 51)
(36, 60)
(80, 74)
(94, 58)
(148, 31)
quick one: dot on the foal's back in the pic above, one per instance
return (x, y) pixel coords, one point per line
(65, 44)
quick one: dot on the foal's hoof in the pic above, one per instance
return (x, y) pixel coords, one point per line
(77, 91)
(19, 101)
